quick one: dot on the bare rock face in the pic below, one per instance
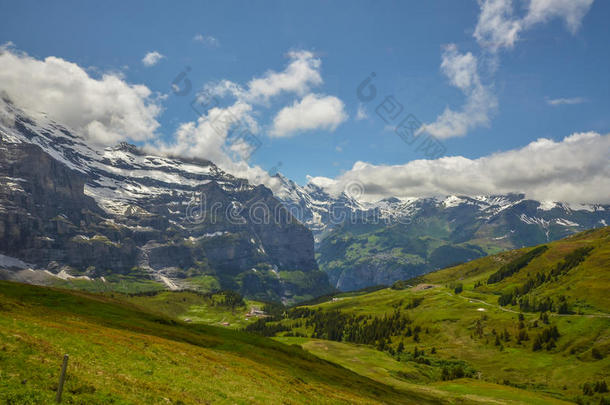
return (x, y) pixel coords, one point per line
(44, 209)
(119, 210)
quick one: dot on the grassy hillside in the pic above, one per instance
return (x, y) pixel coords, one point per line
(585, 285)
(195, 307)
(450, 324)
(440, 338)
(121, 354)
(380, 366)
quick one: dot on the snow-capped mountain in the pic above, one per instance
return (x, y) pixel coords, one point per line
(360, 244)
(67, 206)
(322, 213)
(75, 210)
(314, 207)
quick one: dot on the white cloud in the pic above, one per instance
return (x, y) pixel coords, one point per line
(361, 114)
(461, 70)
(225, 136)
(497, 27)
(314, 111)
(299, 76)
(206, 139)
(105, 110)
(572, 11)
(569, 101)
(152, 58)
(207, 40)
(302, 73)
(574, 170)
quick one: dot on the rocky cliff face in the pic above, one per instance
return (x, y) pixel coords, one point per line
(67, 206)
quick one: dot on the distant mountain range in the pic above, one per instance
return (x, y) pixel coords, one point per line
(69, 210)
(360, 244)
(72, 211)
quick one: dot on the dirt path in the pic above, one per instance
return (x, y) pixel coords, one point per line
(517, 312)
(484, 303)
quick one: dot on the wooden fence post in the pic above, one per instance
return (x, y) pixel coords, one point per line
(62, 378)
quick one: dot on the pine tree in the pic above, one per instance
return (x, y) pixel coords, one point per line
(401, 348)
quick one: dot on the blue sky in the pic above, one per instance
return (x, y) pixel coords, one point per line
(402, 42)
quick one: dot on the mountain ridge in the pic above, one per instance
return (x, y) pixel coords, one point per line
(361, 244)
(184, 222)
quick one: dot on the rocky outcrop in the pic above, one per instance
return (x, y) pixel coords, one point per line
(101, 212)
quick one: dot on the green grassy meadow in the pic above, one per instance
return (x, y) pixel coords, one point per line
(472, 327)
(446, 339)
(120, 354)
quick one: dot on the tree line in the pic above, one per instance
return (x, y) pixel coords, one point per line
(519, 295)
(515, 265)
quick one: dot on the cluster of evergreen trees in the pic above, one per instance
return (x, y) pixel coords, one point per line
(571, 260)
(363, 329)
(529, 285)
(453, 373)
(531, 304)
(597, 387)
(450, 369)
(546, 339)
(262, 327)
(515, 265)
(230, 299)
(502, 336)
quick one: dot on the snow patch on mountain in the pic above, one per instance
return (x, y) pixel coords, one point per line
(322, 212)
(121, 175)
(565, 222)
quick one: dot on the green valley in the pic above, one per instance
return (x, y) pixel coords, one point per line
(454, 327)
(450, 336)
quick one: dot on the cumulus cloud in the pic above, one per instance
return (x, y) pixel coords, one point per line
(104, 110)
(226, 136)
(302, 72)
(299, 76)
(229, 135)
(314, 111)
(152, 58)
(107, 109)
(498, 28)
(569, 101)
(206, 138)
(461, 70)
(574, 169)
(207, 40)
